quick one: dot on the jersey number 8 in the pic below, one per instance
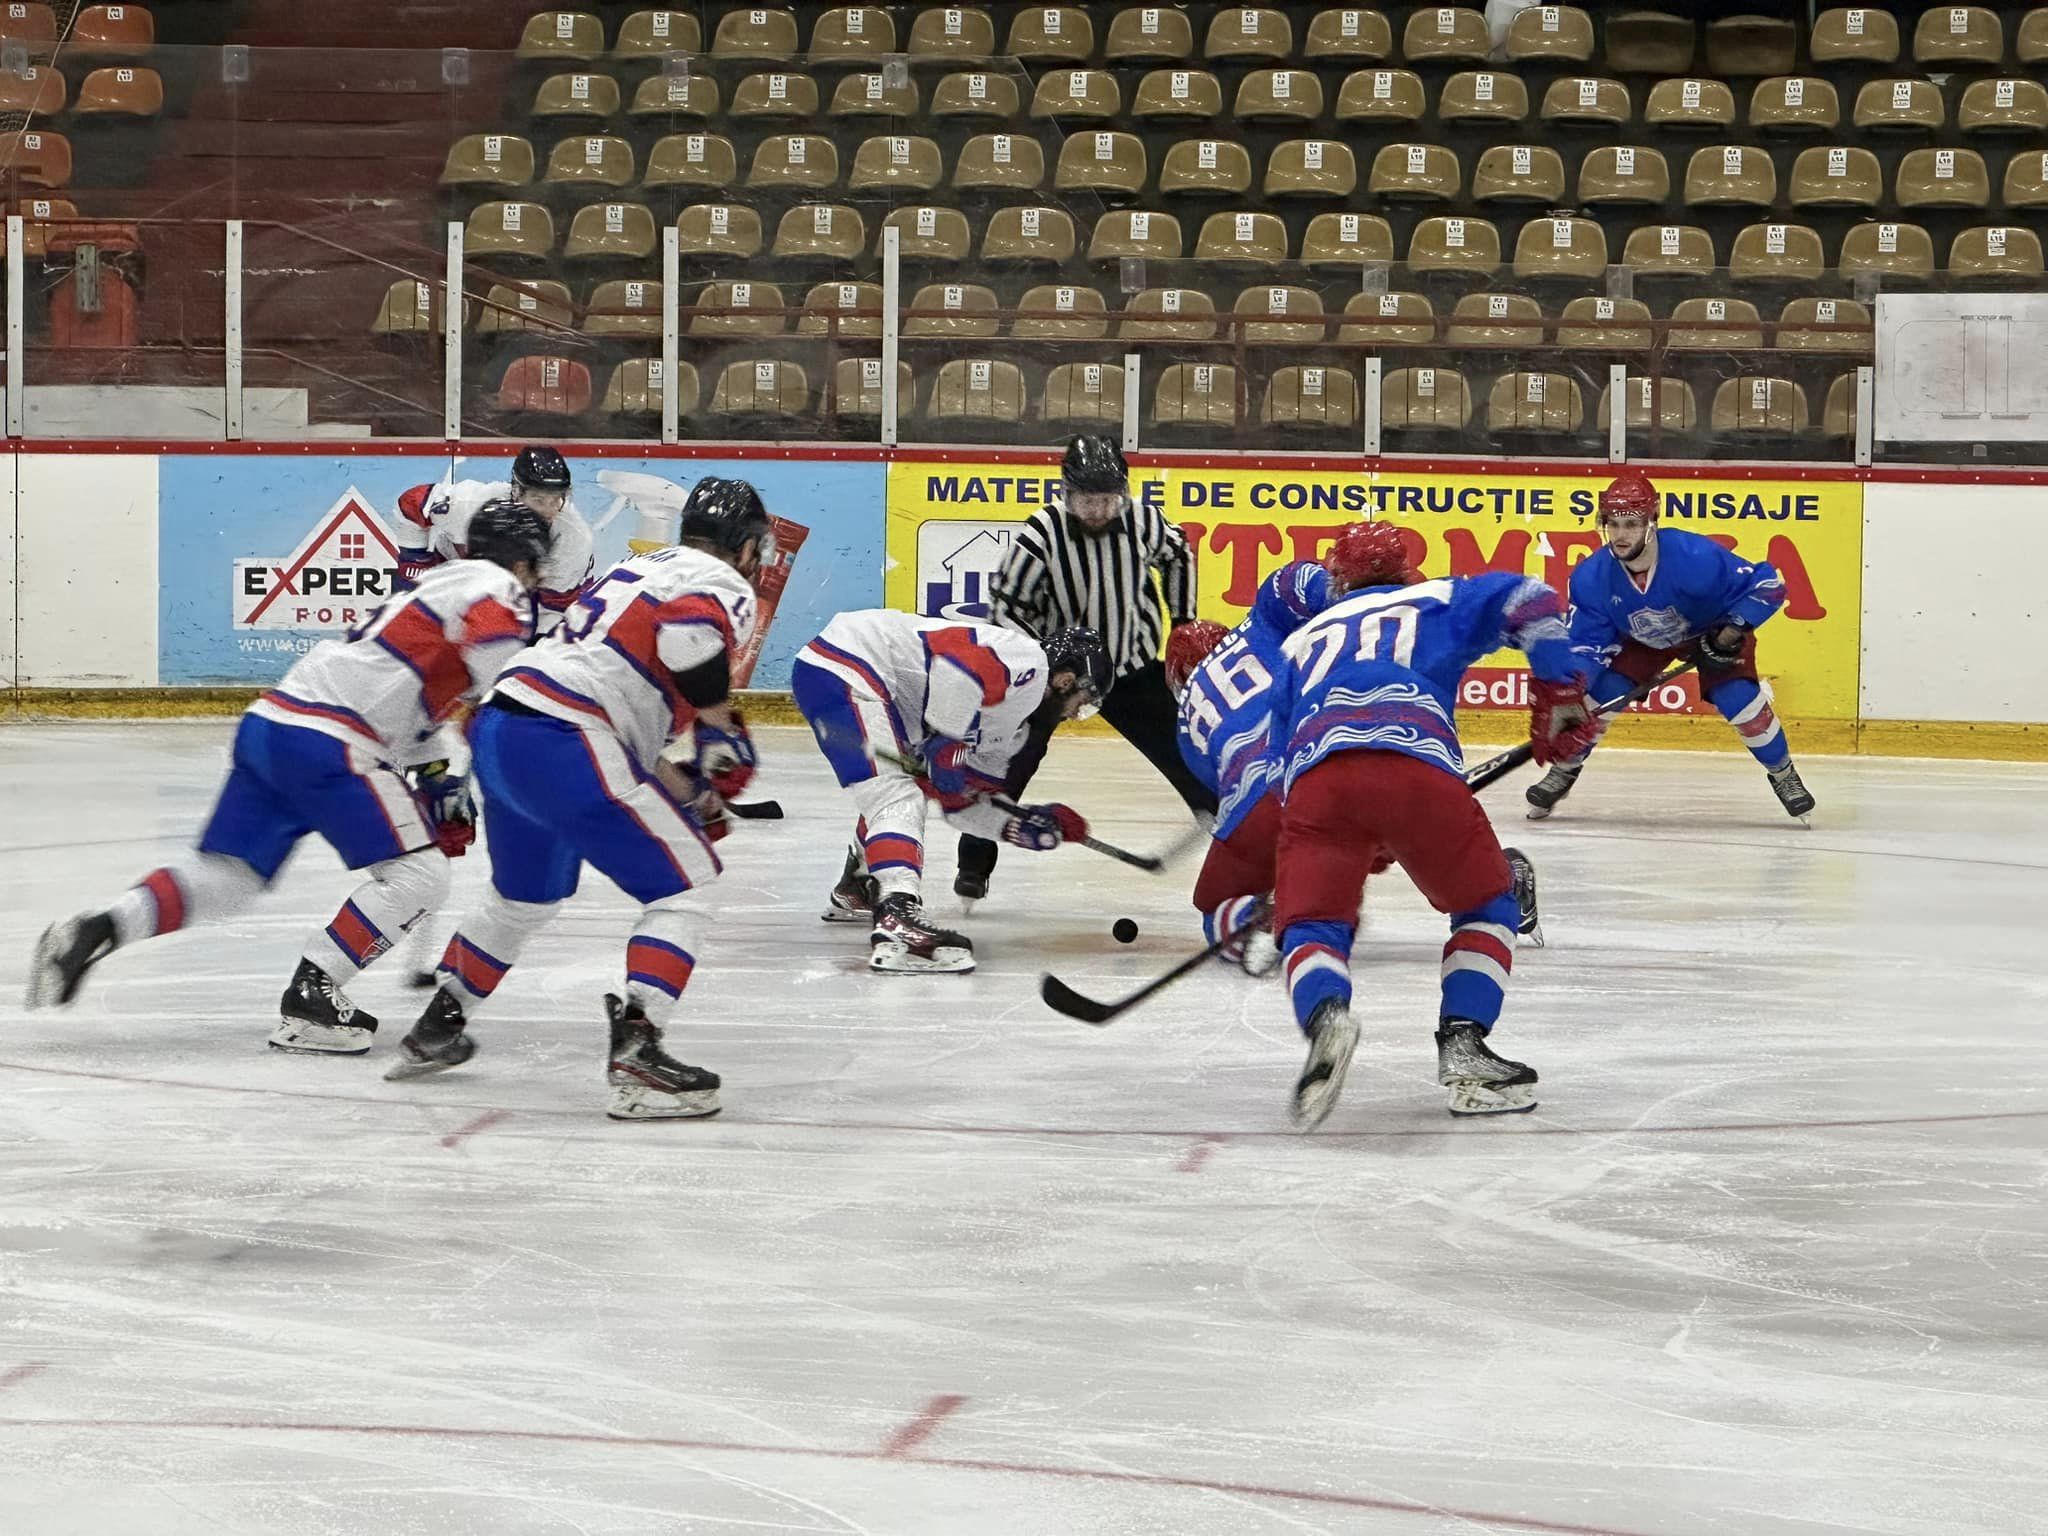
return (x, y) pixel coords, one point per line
(1237, 678)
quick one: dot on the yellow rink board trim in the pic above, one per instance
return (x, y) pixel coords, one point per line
(2013, 741)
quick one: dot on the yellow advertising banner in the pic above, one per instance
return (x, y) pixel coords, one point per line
(950, 523)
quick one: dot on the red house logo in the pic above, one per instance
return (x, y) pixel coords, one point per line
(337, 577)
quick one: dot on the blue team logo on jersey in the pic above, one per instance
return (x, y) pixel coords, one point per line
(1659, 627)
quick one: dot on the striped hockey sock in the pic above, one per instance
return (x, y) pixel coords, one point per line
(1227, 919)
(1747, 707)
(1318, 965)
(1478, 958)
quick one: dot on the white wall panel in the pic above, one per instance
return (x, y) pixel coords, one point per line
(86, 563)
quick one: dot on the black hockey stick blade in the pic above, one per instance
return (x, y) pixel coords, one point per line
(756, 810)
(1061, 998)
(1496, 768)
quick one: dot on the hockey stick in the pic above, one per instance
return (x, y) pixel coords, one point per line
(1062, 998)
(756, 810)
(1495, 768)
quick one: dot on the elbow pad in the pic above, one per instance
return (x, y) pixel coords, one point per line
(707, 683)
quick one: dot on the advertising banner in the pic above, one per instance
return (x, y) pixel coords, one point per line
(261, 556)
(950, 523)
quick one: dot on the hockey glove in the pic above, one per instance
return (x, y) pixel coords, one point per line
(725, 757)
(946, 767)
(1042, 828)
(1721, 647)
(1562, 728)
(450, 807)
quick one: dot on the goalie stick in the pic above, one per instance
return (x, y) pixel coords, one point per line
(1495, 768)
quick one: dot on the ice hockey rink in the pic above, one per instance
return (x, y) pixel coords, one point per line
(1768, 1259)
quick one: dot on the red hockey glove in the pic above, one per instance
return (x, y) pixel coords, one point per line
(726, 757)
(1561, 726)
(450, 807)
(1722, 645)
(1042, 828)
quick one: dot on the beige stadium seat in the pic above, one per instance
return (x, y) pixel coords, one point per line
(574, 35)
(1836, 176)
(2007, 253)
(977, 390)
(488, 160)
(1167, 95)
(1320, 168)
(1196, 394)
(540, 305)
(1440, 34)
(830, 308)
(576, 96)
(1651, 405)
(1942, 178)
(1748, 46)
(875, 95)
(739, 307)
(763, 387)
(1624, 175)
(2030, 41)
(612, 232)
(1248, 34)
(1519, 173)
(1495, 320)
(1387, 320)
(1077, 95)
(1206, 168)
(1479, 97)
(1418, 172)
(755, 33)
(719, 229)
(674, 96)
(705, 160)
(1805, 325)
(411, 308)
(1381, 96)
(847, 33)
(1279, 96)
(1583, 99)
(1050, 34)
(1348, 34)
(929, 234)
(1534, 402)
(1084, 394)
(1777, 253)
(970, 94)
(952, 34)
(1259, 238)
(1061, 312)
(1968, 35)
(1618, 325)
(1029, 237)
(1561, 247)
(594, 160)
(635, 389)
(1425, 400)
(2004, 106)
(1794, 104)
(1454, 244)
(624, 307)
(1276, 313)
(857, 387)
(813, 232)
(1142, 33)
(1169, 314)
(1007, 162)
(1104, 162)
(1759, 406)
(1838, 414)
(794, 162)
(1855, 35)
(1346, 240)
(655, 34)
(1715, 325)
(1551, 34)
(509, 229)
(1730, 175)
(1707, 105)
(2026, 180)
(1135, 233)
(952, 309)
(1312, 398)
(776, 95)
(1900, 106)
(1892, 251)
(902, 162)
(1669, 250)
(1645, 42)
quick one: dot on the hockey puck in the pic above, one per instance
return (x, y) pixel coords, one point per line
(1124, 931)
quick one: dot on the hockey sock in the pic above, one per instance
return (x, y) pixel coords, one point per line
(485, 947)
(892, 832)
(1318, 965)
(1228, 919)
(1747, 707)
(205, 888)
(377, 914)
(659, 958)
(1478, 958)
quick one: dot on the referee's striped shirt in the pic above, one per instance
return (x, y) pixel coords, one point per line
(1057, 576)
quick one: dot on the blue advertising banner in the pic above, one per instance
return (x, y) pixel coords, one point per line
(261, 556)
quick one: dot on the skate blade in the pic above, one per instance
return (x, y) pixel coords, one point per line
(968, 904)
(1533, 937)
(844, 915)
(637, 1103)
(400, 1071)
(1314, 1101)
(944, 963)
(1468, 1099)
(1539, 813)
(320, 1040)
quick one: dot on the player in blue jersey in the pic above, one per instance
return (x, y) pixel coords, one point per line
(1652, 597)
(1365, 735)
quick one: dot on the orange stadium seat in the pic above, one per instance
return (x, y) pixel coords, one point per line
(111, 32)
(545, 386)
(124, 91)
(38, 158)
(27, 21)
(37, 89)
(38, 215)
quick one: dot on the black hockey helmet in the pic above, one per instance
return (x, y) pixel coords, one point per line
(540, 468)
(727, 515)
(1095, 462)
(1080, 651)
(506, 532)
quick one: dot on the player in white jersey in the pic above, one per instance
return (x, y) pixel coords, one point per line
(955, 702)
(569, 749)
(323, 752)
(434, 526)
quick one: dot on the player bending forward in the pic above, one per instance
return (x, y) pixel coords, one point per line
(568, 749)
(323, 752)
(1652, 597)
(1368, 746)
(434, 526)
(961, 699)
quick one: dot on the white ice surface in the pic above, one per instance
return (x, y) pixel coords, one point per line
(1769, 1259)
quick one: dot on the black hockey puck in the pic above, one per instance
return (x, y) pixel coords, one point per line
(1124, 931)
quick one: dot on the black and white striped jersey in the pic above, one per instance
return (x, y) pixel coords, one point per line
(1057, 575)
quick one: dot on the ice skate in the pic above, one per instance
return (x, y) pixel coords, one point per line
(853, 898)
(903, 942)
(1261, 952)
(1332, 1037)
(1481, 1083)
(1544, 794)
(435, 1043)
(315, 1016)
(648, 1083)
(970, 887)
(1792, 793)
(64, 953)
(1531, 925)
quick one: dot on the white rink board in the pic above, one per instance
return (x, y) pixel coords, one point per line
(1766, 1261)
(87, 578)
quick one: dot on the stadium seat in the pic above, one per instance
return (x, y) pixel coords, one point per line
(1169, 314)
(957, 310)
(1746, 47)
(1959, 34)
(755, 33)
(410, 308)
(611, 232)
(762, 387)
(38, 159)
(812, 232)
(829, 300)
(545, 386)
(1319, 168)
(1275, 313)
(874, 96)
(1942, 178)
(1387, 320)
(2004, 253)
(2004, 106)
(1757, 406)
(1899, 106)
(1587, 101)
(1715, 325)
(1249, 34)
(110, 32)
(1551, 34)
(1561, 247)
(1457, 244)
(775, 95)
(1777, 253)
(1838, 414)
(1061, 312)
(2026, 180)
(849, 33)
(509, 229)
(569, 35)
(1416, 172)
(1894, 251)
(928, 234)
(1544, 404)
(1144, 33)
(1345, 240)
(635, 389)
(1519, 173)
(1310, 397)
(28, 21)
(1425, 400)
(1836, 176)
(1348, 34)
(655, 34)
(1442, 34)
(1198, 394)
(795, 163)
(1279, 96)
(674, 96)
(898, 161)
(123, 91)
(1495, 320)
(1796, 324)
(624, 307)
(540, 305)
(952, 34)
(719, 229)
(1705, 105)
(977, 390)
(1624, 175)
(1669, 250)
(740, 307)
(971, 95)
(576, 96)
(1168, 95)
(38, 216)
(1206, 168)
(1854, 35)
(1643, 42)
(1381, 96)
(857, 387)
(1050, 34)
(1029, 237)
(1086, 393)
(1076, 95)
(1794, 104)
(1651, 404)
(692, 160)
(37, 90)
(1256, 238)
(1480, 98)
(2030, 41)
(1730, 175)
(592, 160)
(1005, 162)
(1135, 233)
(1620, 325)
(1104, 162)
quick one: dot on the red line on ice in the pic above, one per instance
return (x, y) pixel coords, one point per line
(908, 1437)
(1194, 1159)
(20, 1373)
(482, 1122)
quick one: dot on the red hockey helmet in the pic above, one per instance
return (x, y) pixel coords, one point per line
(1630, 494)
(1370, 555)
(1188, 647)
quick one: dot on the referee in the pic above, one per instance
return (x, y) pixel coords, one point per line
(1088, 561)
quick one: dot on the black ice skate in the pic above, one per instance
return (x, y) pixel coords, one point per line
(64, 953)
(1481, 1083)
(1332, 1037)
(1544, 794)
(1530, 926)
(854, 898)
(647, 1082)
(903, 942)
(315, 1016)
(1791, 792)
(436, 1042)
(970, 886)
